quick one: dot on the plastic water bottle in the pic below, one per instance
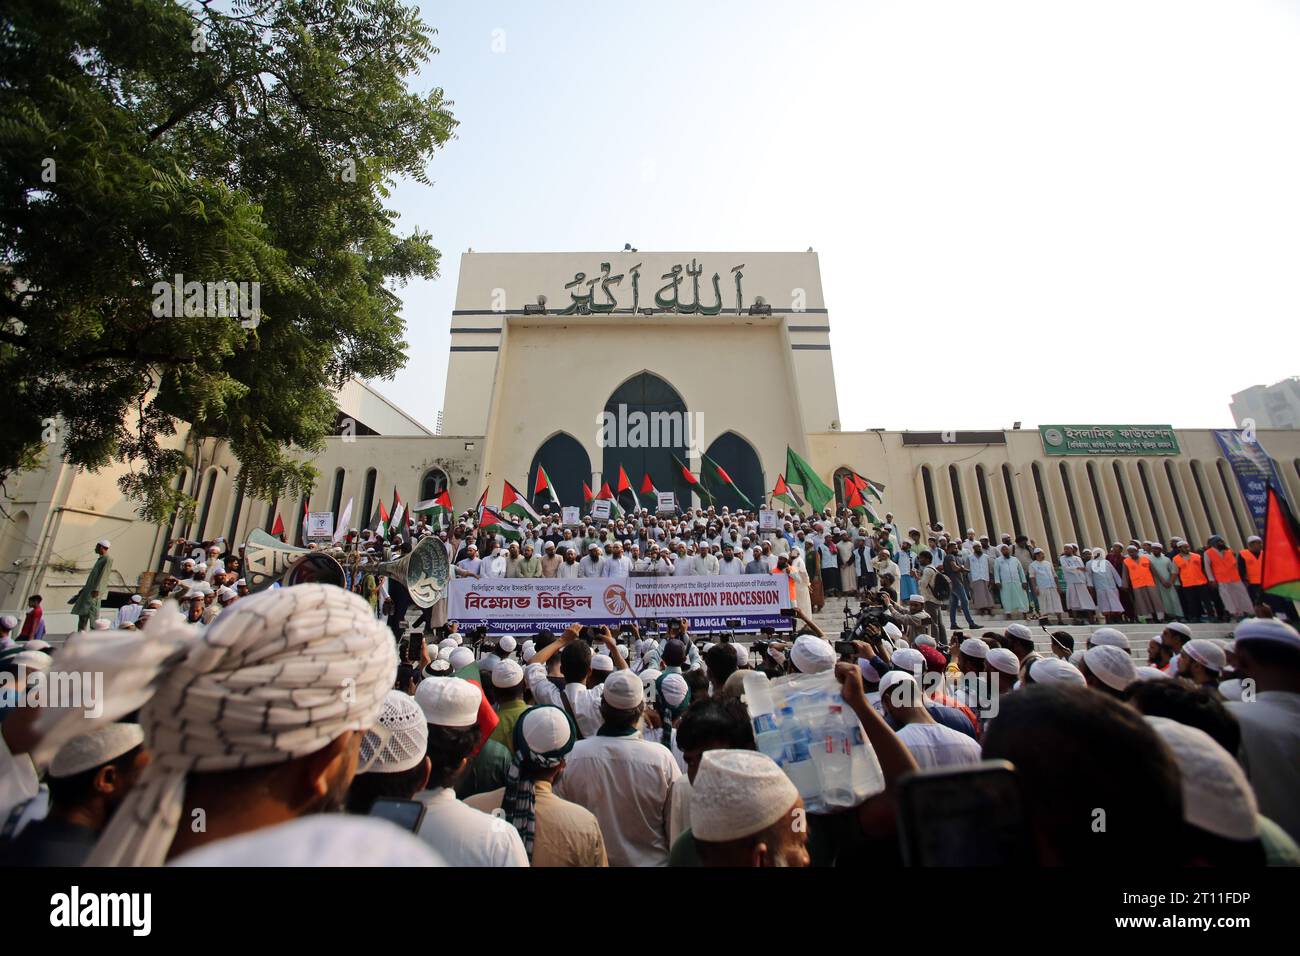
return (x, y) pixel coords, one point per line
(762, 714)
(834, 759)
(866, 776)
(797, 760)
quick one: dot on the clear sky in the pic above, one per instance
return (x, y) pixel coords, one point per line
(1037, 211)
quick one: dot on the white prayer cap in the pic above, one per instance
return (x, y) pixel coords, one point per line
(1178, 627)
(32, 660)
(738, 793)
(449, 702)
(890, 679)
(101, 624)
(399, 738)
(1002, 659)
(602, 662)
(649, 676)
(742, 653)
(1217, 797)
(674, 689)
(891, 631)
(241, 583)
(37, 646)
(318, 839)
(488, 663)
(1267, 629)
(8, 622)
(187, 563)
(154, 604)
(225, 594)
(507, 674)
(460, 657)
(136, 599)
(529, 651)
(102, 543)
(908, 658)
(437, 667)
(94, 749)
(974, 647)
(1111, 666)
(545, 730)
(1231, 689)
(213, 549)
(925, 640)
(601, 650)
(507, 644)
(1253, 538)
(1147, 672)
(916, 599)
(200, 567)
(1108, 637)
(812, 655)
(622, 650)
(444, 653)
(1053, 670)
(1018, 631)
(447, 642)
(1207, 654)
(624, 690)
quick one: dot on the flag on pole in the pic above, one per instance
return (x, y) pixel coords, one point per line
(689, 477)
(482, 503)
(587, 496)
(868, 487)
(494, 523)
(436, 508)
(649, 493)
(713, 472)
(855, 501)
(399, 524)
(277, 529)
(624, 486)
(800, 473)
(615, 509)
(543, 486)
(516, 505)
(783, 492)
(1280, 572)
(381, 528)
(345, 519)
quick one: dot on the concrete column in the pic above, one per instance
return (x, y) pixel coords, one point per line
(1138, 501)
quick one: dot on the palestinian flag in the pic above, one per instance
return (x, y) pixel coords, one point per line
(800, 473)
(624, 486)
(873, 489)
(689, 477)
(543, 486)
(615, 509)
(854, 500)
(379, 521)
(487, 716)
(649, 493)
(482, 503)
(1280, 573)
(517, 506)
(438, 508)
(716, 475)
(277, 529)
(782, 492)
(587, 496)
(401, 523)
(492, 522)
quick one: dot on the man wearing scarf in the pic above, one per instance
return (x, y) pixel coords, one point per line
(555, 832)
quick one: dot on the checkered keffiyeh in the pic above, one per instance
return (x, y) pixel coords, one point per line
(277, 676)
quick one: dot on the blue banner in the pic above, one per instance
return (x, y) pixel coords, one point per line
(1254, 469)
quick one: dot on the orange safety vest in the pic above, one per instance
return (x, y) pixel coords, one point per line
(1190, 572)
(1139, 572)
(1254, 564)
(1224, 565)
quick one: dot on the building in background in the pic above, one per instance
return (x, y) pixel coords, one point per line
(585, 363)
(1269, 406)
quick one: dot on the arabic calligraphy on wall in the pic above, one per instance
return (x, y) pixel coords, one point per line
(602, 291)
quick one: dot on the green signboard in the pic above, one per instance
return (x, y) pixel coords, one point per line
(1108, 440)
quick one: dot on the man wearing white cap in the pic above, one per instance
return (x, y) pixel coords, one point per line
(745, 812)
(393, 762)
(91, 595)
(555, 832)
(1108, 669)
(462, 835)
(508, 695)
(624, 780)
(578, 700)
(1202, 662)
(88, 778)
(1172, 639)
(129, 612)
(1268, 653)
(930, 743)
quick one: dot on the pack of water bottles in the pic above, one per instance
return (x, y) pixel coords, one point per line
(802, 723)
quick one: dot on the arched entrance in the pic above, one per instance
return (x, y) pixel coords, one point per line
(738, 459)
(646, 424)
(567, 465)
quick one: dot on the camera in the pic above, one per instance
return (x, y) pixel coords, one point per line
(845, 649)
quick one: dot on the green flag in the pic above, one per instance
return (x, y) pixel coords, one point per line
(716, 476)
(799, 472)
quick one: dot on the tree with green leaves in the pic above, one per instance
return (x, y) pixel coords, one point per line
(154, 146)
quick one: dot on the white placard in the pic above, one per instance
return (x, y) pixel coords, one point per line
(320, 525)
(667, 502)
(600, 509)
(572, 516)
(767, 521)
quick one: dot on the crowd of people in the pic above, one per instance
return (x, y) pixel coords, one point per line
(585, 746)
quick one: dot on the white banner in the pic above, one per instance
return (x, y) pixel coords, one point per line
(667, 502)
(767, 521)
(600, 509)
(320, 525)
(571, 516)
(524, 605)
